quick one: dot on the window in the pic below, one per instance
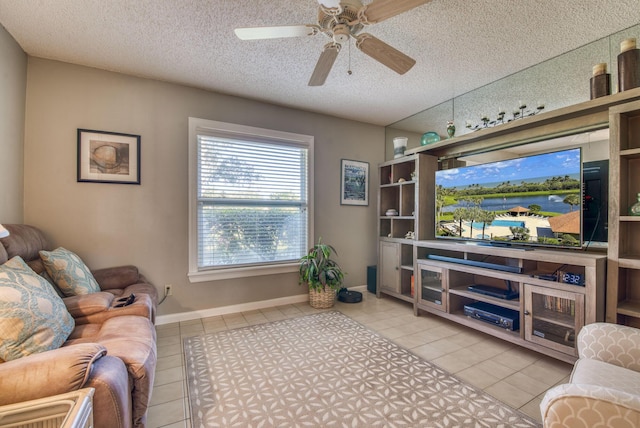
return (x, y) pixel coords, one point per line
(250, 200)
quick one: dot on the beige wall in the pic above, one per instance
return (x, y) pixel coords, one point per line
(13, 79)
(146, 225)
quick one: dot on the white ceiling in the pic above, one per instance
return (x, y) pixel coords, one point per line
(459, 45)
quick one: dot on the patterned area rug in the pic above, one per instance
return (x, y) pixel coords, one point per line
(327, 370)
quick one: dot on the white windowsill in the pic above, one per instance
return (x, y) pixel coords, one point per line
(218, 274)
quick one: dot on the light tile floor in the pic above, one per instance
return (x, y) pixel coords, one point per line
(514, 375)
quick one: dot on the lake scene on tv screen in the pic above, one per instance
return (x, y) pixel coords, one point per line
(528, 200)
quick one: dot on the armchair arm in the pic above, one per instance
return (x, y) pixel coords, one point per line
(116, 277)
(579, 405)
(48, 373)
(87, 304)
(611, 343)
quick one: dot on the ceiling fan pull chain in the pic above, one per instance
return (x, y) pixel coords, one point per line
(349, 72)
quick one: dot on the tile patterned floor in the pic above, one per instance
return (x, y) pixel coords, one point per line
(514, 375)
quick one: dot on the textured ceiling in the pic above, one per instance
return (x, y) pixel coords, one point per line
(459, 45)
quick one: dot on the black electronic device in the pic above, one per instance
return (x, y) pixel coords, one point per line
(501, 293)
(595, 189)
(348, 296)
(493, 314)
(496, 266)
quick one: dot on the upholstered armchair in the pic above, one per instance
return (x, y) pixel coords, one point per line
(604, 389)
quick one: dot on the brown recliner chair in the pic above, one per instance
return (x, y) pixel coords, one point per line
(111, 349)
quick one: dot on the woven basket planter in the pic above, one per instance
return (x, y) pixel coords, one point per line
(322, 299)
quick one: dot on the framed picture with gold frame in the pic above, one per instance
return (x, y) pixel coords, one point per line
(108, 157)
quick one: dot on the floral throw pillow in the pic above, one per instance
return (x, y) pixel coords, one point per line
(33, 318)
(69, 272)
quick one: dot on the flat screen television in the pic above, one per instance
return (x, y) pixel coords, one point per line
(531, 200)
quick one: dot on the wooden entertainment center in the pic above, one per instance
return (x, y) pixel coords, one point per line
(434, 274)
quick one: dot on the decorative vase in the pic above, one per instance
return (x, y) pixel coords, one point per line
(322, 299)
(429, 138)
(628, 65)
(399, 146)
(600, 81)
(451, 129)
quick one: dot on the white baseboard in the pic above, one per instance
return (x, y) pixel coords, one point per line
(243, 307)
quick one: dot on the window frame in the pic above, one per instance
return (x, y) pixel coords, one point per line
(242, 132)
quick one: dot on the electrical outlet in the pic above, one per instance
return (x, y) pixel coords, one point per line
(168, 290)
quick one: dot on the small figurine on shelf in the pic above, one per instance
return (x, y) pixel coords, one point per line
(635, 208)
(410, 235)
(451, 129)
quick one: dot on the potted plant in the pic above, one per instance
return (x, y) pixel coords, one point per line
(322, 274)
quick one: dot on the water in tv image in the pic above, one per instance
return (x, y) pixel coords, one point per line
(529, 200)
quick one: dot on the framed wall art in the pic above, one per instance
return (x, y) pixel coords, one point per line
(354, 183)
(108, 157)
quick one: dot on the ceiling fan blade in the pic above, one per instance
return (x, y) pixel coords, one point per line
(255, 33)
(380, 10)
(324, 64)
(384, 54)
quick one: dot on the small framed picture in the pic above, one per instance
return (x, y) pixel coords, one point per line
(108, 157)
(354, 183)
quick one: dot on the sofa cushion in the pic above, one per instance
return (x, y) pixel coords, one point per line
(33, 318)
(69, 272)
(594, 372)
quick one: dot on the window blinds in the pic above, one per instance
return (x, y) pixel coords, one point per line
(252, 202)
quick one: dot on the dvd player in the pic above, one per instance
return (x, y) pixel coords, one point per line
(500, 293)
(492, 314)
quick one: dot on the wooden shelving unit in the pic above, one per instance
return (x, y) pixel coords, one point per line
(623, 269)
(403, 183)
(551, 313)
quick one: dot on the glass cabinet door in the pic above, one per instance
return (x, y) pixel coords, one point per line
(553, 318)
(431, 291)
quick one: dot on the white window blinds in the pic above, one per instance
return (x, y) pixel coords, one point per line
(252, 201)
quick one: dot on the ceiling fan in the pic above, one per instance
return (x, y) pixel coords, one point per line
(340, 20)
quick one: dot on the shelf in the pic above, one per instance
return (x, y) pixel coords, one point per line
(629, 261)
(553, 317)
(630, 153)
(397, 184)
(434, 289)
(630, 308)
(631, 218)
(407, 267)
(511, 304)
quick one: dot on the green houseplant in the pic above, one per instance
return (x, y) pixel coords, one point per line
(322, 274)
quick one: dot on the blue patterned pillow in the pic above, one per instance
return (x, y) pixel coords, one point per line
(69, 272)
(33, 318)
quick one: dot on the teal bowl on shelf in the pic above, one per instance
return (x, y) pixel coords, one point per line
(429, 138)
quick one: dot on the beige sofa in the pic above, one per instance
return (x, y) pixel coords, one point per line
(112, 348)
(604, 390)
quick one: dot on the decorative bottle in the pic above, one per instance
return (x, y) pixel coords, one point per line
(628, 65)
(600, 81)
(635, 208)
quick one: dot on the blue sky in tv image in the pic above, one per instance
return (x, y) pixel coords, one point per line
(533, 169)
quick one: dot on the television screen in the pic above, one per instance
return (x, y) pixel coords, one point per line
(533, 200)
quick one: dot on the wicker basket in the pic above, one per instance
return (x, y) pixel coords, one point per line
(322, 299)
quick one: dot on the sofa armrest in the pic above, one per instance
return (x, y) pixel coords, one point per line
(48, 373)
(116, 277)
(579, 405)
(611, 343)
(88, 304)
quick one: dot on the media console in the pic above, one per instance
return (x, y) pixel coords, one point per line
(512, 294)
